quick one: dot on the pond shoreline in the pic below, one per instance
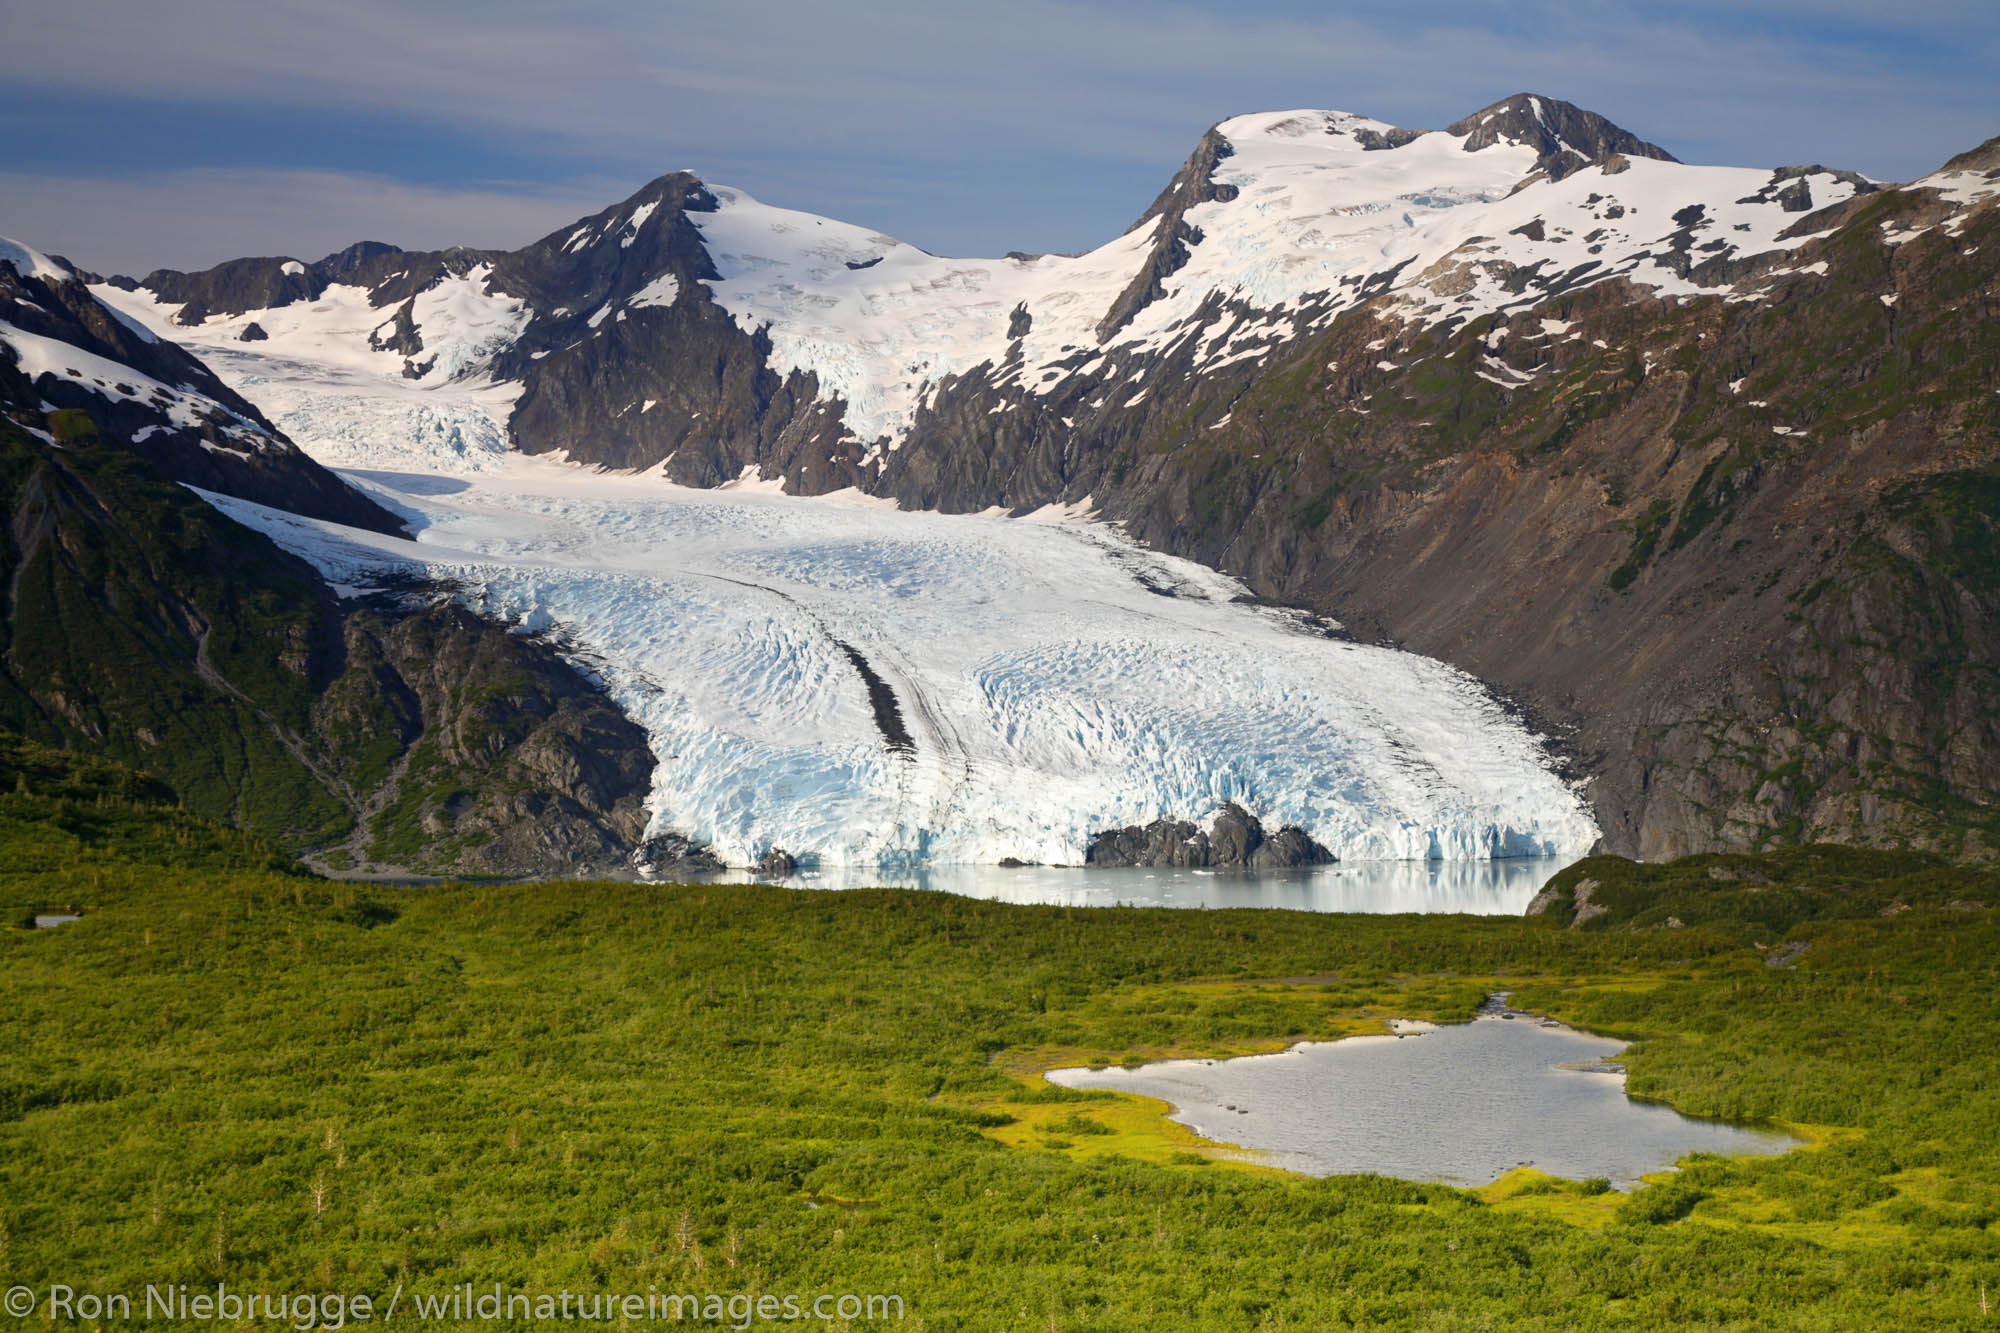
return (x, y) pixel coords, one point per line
(1309, 1122)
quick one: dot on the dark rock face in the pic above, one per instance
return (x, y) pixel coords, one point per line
(1193, 184)
(673, 854)
(194, 428)
(1376, 141)
(399, 332)
(1565, 137)
(1235, 839)
(1792, 191)
(356, 258)
(718, 406)
(777, 863)
(234, 287)
(1985, 158)
(513, 763)
(253, 332)
(263, 284)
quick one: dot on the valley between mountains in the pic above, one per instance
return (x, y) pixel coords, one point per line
(1502, 489)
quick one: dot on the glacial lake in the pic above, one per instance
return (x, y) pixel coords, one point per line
(1500, 887)
(1463, 1104)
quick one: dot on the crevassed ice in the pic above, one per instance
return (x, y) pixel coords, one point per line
(1050, 694)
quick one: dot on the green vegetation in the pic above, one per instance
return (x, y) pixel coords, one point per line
(144, 625)
(1646, 530)
(1761, 896)
(231, 1071)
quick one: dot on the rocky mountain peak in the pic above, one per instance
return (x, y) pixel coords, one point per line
(1564, 136)
(343, 263)
(1193, 184)
(1985, 158)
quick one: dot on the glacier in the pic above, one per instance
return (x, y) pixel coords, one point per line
(1055, 678)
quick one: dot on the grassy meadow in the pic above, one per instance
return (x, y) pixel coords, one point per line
(232, 1072)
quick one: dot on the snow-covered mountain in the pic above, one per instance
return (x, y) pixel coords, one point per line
(695, 326)
(1486, 385)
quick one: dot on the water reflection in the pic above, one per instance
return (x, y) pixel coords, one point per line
(1464, 1103)
(1496, 887)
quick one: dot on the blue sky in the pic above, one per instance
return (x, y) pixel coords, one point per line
(147, 134)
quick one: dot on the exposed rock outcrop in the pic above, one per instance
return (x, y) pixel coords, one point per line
(1234, 839)
(511, 763)
(1565, 137)
(1173, 236)
(670, 854)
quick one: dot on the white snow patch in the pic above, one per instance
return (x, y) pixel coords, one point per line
(30, 262)
(145, 334)
(663, 290)
(638, 220)
(753, 480)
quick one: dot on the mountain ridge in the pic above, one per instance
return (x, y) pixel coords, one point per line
(1537, 390)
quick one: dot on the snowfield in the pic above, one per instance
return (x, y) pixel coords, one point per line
(341, 400)
(1054, 679)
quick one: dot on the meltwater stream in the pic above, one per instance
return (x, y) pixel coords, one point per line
(1463, 1104)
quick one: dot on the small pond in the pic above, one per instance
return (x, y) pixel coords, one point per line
(1463, 1103)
